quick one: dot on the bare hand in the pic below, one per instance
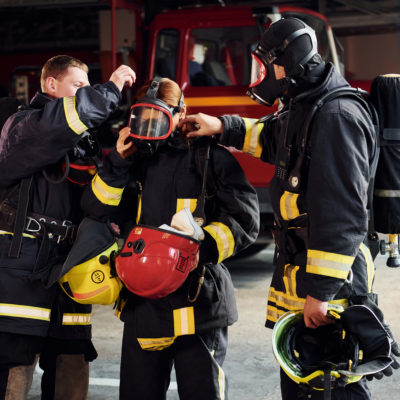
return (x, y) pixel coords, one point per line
(124, 146)
(315, 313)
(206, 124)
(122, 76)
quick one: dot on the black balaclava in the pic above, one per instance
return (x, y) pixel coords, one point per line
(290, 43)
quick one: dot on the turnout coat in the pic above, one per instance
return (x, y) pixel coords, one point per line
(155, 189)
(34, 139)
(320, 228)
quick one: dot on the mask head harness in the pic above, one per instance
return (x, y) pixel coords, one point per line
(265, 86)
(151, 119)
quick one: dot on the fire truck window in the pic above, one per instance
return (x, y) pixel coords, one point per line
(220, 56)
(166, 53)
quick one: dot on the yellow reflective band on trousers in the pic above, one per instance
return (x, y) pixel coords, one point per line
(328, 264)
(184, 321)
(221, 382)
(252, 143)
(77, 319)
(72, 116)
(186, 203)
(30, 312)
(106, 194)
(369, 265)
(288, 206)
(153, 344)
(223, 237)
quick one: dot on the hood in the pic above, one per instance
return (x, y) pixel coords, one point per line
(332, 80)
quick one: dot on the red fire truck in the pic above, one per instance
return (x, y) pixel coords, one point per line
(207, 51)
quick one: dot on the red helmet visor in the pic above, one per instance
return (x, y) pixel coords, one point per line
(258, 71)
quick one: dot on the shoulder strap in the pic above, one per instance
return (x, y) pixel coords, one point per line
(202, 157)
(20, 218)
(358, 94)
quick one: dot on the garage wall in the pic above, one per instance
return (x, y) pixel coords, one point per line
(366, 56)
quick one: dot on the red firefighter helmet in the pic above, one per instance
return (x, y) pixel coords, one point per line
(155, 262)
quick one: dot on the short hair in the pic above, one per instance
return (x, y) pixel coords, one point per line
(57, 67)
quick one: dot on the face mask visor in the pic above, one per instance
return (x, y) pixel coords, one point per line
(258, 71)
(150, 122)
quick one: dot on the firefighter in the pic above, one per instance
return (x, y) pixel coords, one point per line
(39, 210)
(186, 327)
(319, 189)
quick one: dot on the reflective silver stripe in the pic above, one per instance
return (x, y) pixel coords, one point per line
(386, 193)
(17, 311)
(77, 319)
(251, 143)
(72, 116)
(105, 193)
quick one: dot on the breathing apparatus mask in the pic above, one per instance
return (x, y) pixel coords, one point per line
(276, 51)
(79, 164)
(83, 159)
(151, 120)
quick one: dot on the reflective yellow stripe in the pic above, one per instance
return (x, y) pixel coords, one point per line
(12, 233)
(328, 264)
(186, 203)
(370, 265)
(285, 300)
(72, 116)
(184, 321)
(139, 208)
(152, 344)
(14, 310)
(106, 194)
(221, 382)
(288, 205)
(219, 101)
(252, 143)
(224, 238)
(77, 319)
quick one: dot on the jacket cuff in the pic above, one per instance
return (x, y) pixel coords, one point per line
(208, 250)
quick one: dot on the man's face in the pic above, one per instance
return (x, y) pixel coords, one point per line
(67, 85)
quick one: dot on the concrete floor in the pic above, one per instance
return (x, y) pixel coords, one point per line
(250, 365)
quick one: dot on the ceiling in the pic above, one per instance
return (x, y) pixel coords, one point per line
(28, 25)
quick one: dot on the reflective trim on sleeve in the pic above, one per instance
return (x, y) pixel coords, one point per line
(77, 319)
(328, 264)
(152, 344)
(288, 206)
(72, 116)
(106, 194)
(386, 193)
(184, 321)
(252, 143)
(17, 311)
(224, 238)
(369, 265)
(186, 203)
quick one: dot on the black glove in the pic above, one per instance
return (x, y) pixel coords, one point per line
(395, 352)
(371, 301)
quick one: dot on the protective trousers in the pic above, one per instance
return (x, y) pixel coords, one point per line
(197, 360)
(355, 391)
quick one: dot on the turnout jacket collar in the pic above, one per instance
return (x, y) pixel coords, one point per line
(331, 80)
